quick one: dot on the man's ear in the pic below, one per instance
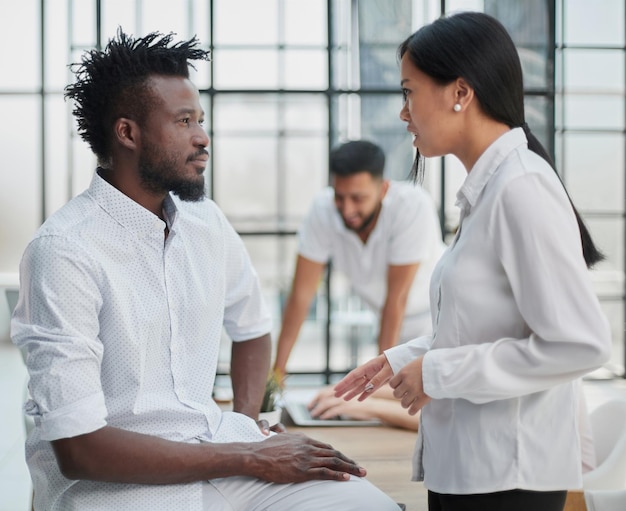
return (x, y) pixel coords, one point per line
(126, 132)
(384, 188)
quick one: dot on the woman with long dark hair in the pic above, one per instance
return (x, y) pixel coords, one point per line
(515, 319)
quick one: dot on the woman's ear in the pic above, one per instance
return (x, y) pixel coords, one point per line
(463, 93)
(126, 132)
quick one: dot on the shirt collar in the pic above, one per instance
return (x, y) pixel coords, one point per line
(126, 211)
(487, 165)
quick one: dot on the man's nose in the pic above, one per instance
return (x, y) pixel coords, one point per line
(347, 208)
(201, 138)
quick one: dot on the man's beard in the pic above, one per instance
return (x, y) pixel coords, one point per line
(367, 222)
(158, 174)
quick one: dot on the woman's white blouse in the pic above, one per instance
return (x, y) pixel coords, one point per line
(515, 321)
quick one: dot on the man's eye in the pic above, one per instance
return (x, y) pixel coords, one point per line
(185, 120)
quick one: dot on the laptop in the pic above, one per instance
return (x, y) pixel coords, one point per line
(295, 403)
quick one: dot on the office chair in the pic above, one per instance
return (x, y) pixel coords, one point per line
(608, 424)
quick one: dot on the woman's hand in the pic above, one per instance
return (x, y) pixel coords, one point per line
(364, 379)
(408, 386)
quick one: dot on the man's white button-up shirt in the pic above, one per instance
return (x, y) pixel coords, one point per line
(122, 327)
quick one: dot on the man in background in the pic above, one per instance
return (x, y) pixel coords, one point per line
(384, 236)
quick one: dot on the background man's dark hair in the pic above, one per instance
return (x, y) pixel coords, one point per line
(357, 156)
(114, 83)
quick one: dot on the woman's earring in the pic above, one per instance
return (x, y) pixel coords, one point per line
(457, 107)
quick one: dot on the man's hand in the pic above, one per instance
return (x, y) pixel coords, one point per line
(408, 386)
(294, 458)
(265, 427)
(365, 379)
(119, 456)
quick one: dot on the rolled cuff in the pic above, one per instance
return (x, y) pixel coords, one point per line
(81, 417)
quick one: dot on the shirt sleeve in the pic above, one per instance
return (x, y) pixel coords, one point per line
(314, 240)
(56, 325)
(401, 354)
(246, 315)
(414, 229)
(536, 238)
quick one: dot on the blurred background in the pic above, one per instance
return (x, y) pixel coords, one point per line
(290, 79)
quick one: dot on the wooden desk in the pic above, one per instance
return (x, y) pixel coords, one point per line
(384, 452)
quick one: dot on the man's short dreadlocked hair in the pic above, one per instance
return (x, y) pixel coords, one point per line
(114, 83)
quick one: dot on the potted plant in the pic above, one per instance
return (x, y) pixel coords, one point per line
(270, 407)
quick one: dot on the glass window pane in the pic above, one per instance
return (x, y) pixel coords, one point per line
(20, 179)
(20, 25)
(201, 20)
(384, 22)
(119, 13)
(305, 69)
(379, 67)
(305, 112)
(594, 111)
(58, 126)
(309, 352)
(347, 117)
(56, 49)
(381, 124)
(246, 22)
(246, 180)
(593, 170)
(341, 24)
(594, 70)
(249, 113)
(166, 16)
(266, 252)
(534, 68)
(246, 69)
(83, 165)
(269, 113)
(353, 326)
(305, 22)
(528, 24)
(345, 71)
(594, 23)
(305, 172)
(538, 111)
(465, 5)
(83, 23)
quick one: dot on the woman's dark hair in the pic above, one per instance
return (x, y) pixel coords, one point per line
(114, 83)
(357, 156)
(476, 47)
